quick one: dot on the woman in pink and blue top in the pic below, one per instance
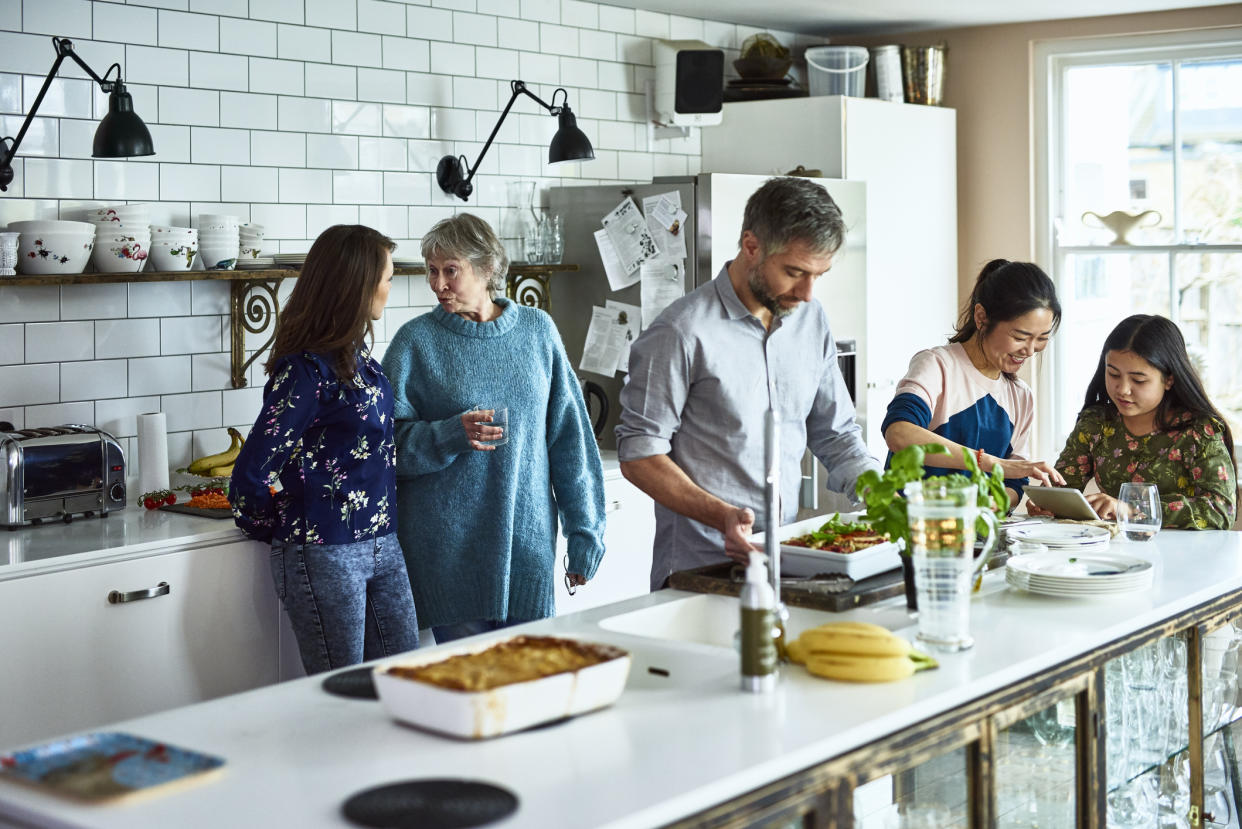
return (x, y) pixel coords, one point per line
(966, 395)
(317, 475)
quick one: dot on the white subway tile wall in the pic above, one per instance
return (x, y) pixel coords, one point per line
(296, 114)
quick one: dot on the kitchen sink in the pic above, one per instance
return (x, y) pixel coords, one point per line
(713, 620)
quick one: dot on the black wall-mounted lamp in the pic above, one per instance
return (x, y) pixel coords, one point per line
(121, 133)
(453, 174)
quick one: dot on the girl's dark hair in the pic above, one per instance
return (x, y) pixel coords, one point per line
(329, 311)
(1007, 290)
(1159, 341)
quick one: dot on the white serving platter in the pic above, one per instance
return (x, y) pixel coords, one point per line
(804, 561)
(504, 709)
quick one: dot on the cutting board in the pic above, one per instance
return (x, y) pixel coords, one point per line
(814, 594)
(205, 512)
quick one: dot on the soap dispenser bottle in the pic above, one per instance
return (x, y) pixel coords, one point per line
(759, 654)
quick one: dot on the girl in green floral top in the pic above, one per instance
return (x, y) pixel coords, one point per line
(1147, 418)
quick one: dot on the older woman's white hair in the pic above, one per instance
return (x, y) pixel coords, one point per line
(466, 236)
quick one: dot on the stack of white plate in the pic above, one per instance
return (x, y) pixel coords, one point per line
(218, 241)
(1072, 574)
(122, 237)
(1063, 537)
(289, 260)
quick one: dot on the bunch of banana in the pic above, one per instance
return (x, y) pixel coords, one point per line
(856, 652)
(219, 465)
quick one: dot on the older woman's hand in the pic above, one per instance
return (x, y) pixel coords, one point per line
(478, 429)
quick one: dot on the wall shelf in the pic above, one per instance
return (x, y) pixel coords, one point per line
(254, 303)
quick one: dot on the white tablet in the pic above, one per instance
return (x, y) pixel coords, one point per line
(1062, 501)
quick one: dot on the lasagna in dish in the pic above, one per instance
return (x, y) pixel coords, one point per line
(520, 659)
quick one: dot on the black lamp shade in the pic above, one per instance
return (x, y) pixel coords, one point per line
(569, 143)
(121, 133)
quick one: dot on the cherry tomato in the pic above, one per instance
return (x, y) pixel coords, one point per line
(171, 499)
(149, 503)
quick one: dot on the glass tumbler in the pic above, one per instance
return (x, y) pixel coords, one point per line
(1138, 511)
(532, 242)
(553, 239)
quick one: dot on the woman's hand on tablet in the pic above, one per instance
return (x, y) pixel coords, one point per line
(1105, 506)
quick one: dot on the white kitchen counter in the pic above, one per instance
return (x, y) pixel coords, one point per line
(667, 749)
(133, 531)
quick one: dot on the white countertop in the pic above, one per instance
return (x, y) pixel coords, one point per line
(133, 531)
(662, 752)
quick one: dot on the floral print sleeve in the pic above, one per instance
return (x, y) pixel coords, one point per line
(1076, 463)
(290, 403)
(1204, 487)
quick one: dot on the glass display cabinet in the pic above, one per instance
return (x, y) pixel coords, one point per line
(1139, 734)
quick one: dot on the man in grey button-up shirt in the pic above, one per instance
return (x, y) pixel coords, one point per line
(701, 378)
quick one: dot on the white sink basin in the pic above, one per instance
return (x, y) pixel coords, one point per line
(714, 620)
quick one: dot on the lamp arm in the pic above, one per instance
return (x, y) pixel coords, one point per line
(64, 49)
(519, 88)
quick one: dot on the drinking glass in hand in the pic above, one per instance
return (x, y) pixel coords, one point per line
(1138, 511)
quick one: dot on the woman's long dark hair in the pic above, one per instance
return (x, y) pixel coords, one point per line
(1007, 290)
(329, 311)
(1159, 341)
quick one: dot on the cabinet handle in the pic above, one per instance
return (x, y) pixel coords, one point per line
(117, 597)
(612, 506)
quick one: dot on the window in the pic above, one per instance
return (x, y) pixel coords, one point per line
(1152, 126)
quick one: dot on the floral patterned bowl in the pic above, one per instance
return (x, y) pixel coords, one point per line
(121, 254)
(173, 256)
(42, 254)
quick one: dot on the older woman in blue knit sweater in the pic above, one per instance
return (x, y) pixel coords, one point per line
(478, 521)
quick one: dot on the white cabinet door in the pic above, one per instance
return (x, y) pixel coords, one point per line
(626, 567)
(74, 660)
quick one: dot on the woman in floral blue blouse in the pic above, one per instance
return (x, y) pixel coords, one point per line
(317, 476)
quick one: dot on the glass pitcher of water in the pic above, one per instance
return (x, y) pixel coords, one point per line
(942, 513)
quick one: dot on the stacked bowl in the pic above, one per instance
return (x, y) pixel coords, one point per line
(53, 246)
(250, 237)
(218, 241)
(122, 237)
(173, 248)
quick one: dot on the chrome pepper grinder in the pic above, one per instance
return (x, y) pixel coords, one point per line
(763, 614)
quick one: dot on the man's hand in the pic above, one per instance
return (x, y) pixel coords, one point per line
(739, 524)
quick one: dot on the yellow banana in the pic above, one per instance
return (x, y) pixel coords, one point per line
(795, 651)
(221, 471)
(835, 639)
(851, 668)
(205, 465)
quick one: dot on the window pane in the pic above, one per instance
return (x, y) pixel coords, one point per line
(1210, 312)
(1119, 137)
(1097, 291)
(1211, 124)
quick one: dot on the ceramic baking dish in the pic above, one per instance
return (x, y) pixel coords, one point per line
(505, 708)
(804, 561)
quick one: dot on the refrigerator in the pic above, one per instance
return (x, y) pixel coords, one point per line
(714, 205)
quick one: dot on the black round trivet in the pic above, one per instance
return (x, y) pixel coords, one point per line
(356, 683)
(430, 804)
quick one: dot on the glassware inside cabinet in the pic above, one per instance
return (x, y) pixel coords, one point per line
(1222, 724)
(1036, 769)
(931, 795)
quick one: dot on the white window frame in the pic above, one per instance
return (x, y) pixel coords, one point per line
(1050, 60)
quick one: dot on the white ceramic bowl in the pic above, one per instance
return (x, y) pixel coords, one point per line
(173, 256)
(218, 257)
(52, 226)
(166, 230)
(54, 253)
(250, 227)
(217, 220)
(119, 213)
(120, 257)
(143, 239)
(251, 252)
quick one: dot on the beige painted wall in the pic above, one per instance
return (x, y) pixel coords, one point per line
(988, 80)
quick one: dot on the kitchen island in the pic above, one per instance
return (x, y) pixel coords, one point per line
(682, 744)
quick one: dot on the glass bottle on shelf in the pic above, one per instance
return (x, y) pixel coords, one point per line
(518, 221)
(534, 240)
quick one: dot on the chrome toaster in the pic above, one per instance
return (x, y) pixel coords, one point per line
(59, 472)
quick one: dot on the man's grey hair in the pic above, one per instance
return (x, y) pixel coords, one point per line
(466, 236)
(790, 209)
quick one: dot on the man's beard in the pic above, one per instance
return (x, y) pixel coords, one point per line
(759, 290)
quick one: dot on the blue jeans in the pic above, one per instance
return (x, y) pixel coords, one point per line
(460, 630)
(347, 603)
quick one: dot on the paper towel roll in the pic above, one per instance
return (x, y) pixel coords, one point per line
(152, 452)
